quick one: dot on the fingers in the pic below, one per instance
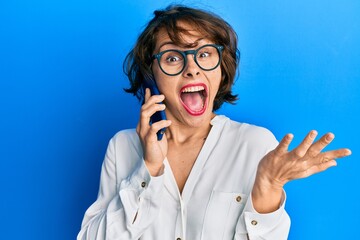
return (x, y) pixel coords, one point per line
(154, 128)
(149, 100)
(325, 140)
(283, 146)
(147, 94)
(152, 104)
(321, 157)
(318, 168)
(327, 160)
(335, 154)
(316, 161)
(306, 159)
(319, 145)
(304, 146)
(146, 112)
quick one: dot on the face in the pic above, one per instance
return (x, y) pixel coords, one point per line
(189, 96)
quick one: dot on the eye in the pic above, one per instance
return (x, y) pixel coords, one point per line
(173, 59)
(203, 54)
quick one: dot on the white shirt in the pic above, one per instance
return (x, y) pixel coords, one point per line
(215, 202)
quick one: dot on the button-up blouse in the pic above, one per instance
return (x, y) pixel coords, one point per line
(214, 204)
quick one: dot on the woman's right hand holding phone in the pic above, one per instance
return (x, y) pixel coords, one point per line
(154, 151)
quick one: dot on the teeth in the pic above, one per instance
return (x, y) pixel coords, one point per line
(193, 89)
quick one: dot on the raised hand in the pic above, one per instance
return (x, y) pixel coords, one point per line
(154, 151)
(281, 166)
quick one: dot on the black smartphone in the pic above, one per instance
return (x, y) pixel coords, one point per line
(159, 115)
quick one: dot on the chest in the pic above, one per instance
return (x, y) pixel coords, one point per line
(181, 160)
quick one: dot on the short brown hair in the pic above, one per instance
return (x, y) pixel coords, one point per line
(137, 65)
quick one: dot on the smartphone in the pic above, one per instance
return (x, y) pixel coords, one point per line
(159, 115)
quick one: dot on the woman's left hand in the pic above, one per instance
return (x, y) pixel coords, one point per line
(281, 166)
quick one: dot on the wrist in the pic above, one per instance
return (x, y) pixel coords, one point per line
(155, 169)
(266, 195)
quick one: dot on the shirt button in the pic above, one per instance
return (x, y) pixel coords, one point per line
(253, 222)
(143, 184)
(178, 239)
(238, 198)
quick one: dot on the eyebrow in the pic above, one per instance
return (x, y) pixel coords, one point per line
(165, 43)
(172, 43)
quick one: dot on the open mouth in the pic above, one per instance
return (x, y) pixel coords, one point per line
(193, 98)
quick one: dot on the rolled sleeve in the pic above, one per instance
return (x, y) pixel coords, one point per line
(142, 182)
(141, 195)
(274, 225)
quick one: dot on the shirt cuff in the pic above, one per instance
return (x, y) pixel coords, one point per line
(141, 196)
(258, 223)
(145, 184)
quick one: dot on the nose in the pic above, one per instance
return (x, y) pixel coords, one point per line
(191, 69)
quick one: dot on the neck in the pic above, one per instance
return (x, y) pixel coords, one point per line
(179, 133)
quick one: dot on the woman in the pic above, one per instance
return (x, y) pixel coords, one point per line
(209, 177)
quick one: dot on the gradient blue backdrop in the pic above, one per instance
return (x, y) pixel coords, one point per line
(61, 101)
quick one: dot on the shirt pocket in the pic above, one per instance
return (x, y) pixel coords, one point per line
(222, 214)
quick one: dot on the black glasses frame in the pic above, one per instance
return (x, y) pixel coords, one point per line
(185, 53)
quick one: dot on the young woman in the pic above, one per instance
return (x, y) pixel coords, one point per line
(208, 177)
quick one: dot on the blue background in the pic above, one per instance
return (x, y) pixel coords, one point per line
(61, 101)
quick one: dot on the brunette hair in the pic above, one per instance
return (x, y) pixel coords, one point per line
(137, 64)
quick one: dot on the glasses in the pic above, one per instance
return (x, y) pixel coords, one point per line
(172, 62)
